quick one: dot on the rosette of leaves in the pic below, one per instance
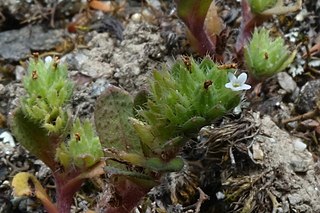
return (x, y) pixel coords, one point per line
(187, 97)
(42, 125)
(265, 57)
(82, 150)
(48, 90)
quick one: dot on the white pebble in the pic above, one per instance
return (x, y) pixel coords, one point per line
(299, 145)
(6, 137)
(137, 17)
(220, 195)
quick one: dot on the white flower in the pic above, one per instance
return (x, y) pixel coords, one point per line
(48, 60)
(237, 83)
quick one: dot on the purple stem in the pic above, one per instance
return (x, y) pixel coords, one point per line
(66, 186)
(248, 23)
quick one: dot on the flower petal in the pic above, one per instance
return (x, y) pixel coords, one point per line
(231, 77)
(48, 59)
(242, 78)
(236, 89)
(245, 87)
(229, 85)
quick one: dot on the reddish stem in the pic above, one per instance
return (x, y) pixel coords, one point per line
(248, 23)
(66, 186)
(127, 196)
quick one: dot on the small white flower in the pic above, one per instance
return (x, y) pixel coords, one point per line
(47, 61)
(237, 83)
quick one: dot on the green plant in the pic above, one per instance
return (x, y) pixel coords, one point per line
(43, 125)
(258, 6)
(208, 33)
(187, 97)
(141, 137)
(272, 7)
(265, 56)
(145, 134)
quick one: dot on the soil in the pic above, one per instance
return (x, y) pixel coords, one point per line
(275, 167)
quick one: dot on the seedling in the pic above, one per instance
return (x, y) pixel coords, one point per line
(44, 127)
(264, 57)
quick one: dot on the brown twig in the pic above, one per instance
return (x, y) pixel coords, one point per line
(304, 116)
(202, 197)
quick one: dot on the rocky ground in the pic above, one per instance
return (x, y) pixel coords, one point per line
(275, 168)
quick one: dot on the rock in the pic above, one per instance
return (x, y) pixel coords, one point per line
(128, 63)
(299, 145)
(281, 155)
(28, 11)
(286, 82)
(17, 45)
(309, 95)
(7, 142)
(257, 152)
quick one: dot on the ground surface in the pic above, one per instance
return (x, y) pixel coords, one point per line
(273, 172)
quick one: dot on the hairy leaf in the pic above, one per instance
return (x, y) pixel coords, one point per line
(113, 109)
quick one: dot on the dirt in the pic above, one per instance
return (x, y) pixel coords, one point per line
(273, 172)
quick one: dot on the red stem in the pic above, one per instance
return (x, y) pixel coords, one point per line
(66, 186)
(248, 23)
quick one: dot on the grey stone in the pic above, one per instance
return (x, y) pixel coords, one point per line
(309, 95)
(16, 45)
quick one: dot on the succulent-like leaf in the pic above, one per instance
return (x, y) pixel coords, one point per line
(203, 23)
(48, 90)
(193, 123)
(156, 164)
(264, 56)
(186, 97)
(84, 148)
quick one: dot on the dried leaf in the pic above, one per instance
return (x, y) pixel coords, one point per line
(26, 184)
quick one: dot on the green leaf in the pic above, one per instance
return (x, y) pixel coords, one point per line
(112, 112)
(83, 149)
(35, 138)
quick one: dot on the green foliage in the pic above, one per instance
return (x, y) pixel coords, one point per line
(117, 128)
(48, 90)
(264, 56)
(258, 6)
(41, 124)
(187, 97)
(83, 149)
(34, 138)
(112, 111)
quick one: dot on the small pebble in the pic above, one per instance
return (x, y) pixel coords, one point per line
(220, 195)
(20, 72)
(137, 17)
(299, 145)
(286, 82)
(6, 137)
(300, 166)
(257, 152)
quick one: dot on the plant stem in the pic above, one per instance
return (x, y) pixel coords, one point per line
(66, 187)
